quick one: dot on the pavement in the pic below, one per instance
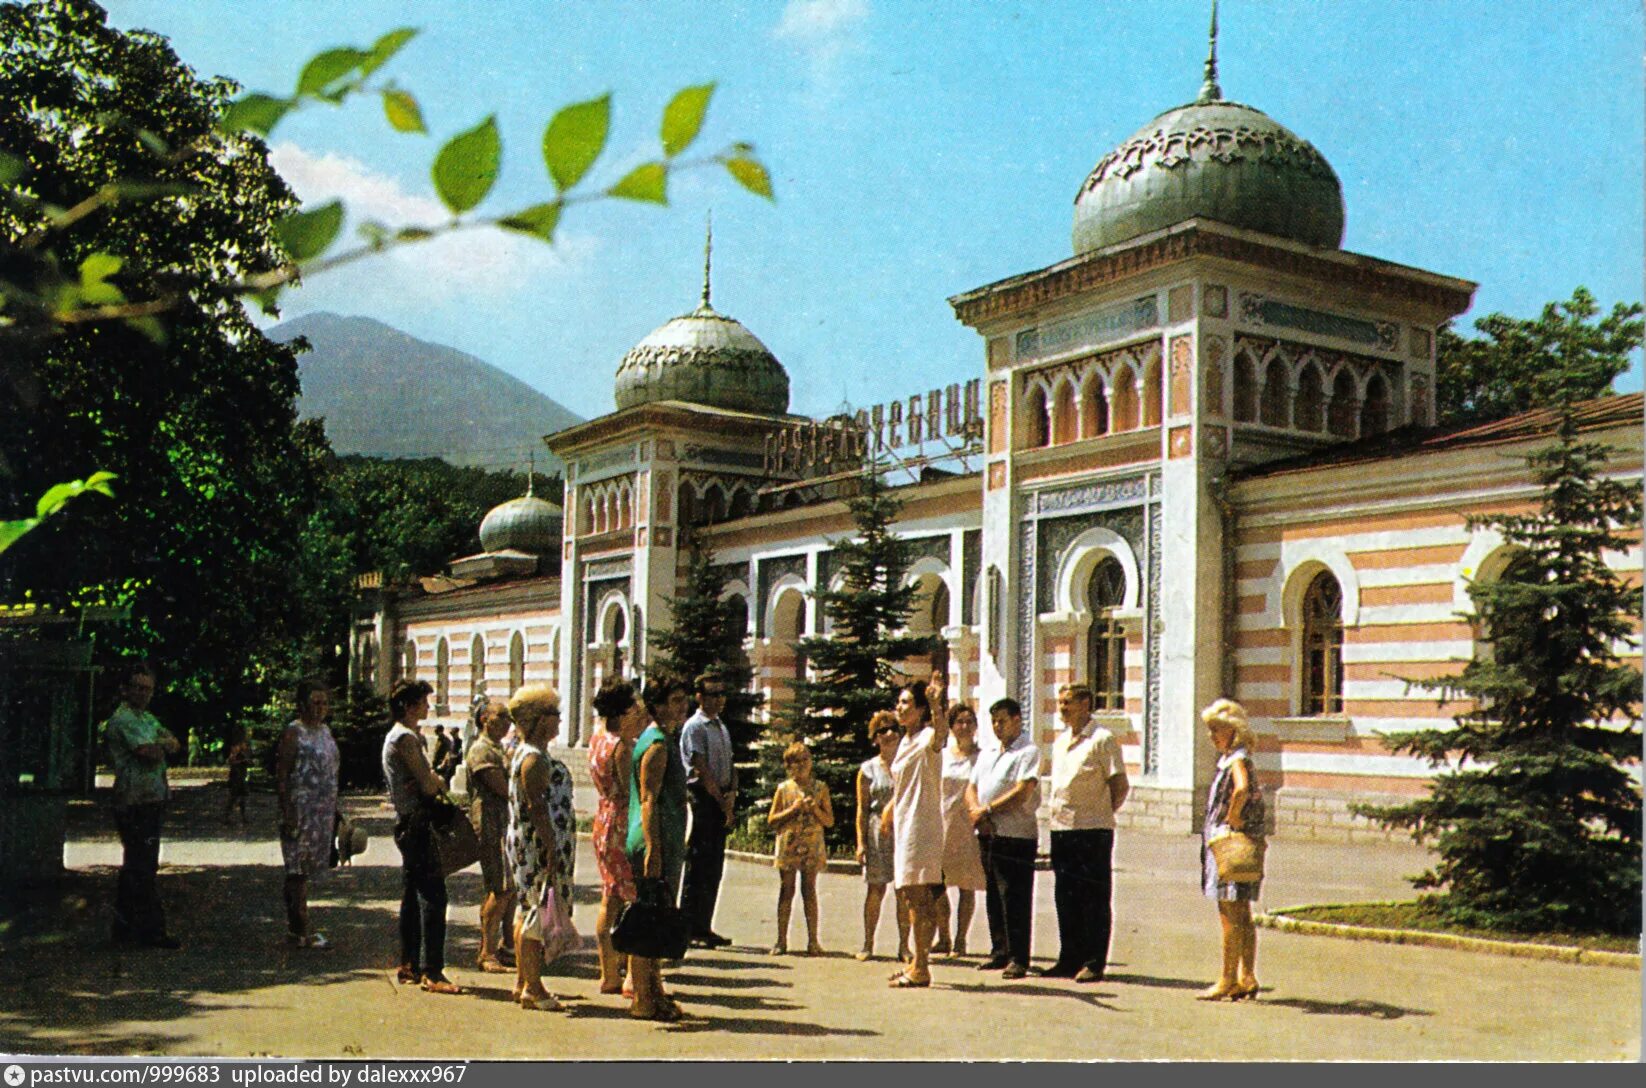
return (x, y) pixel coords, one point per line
(238, 990)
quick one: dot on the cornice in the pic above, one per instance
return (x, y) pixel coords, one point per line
(647, 419)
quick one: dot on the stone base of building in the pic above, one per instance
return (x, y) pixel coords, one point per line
(1294, 813)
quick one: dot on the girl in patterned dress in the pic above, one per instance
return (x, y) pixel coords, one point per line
(874, 845)
(540, 839)
(1234, 803)
(611, 753)
(305, 775)
(799, 813)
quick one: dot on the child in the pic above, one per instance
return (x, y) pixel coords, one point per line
(799, 813)
(239, 756)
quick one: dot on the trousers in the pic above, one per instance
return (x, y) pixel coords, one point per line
(1008, 895)
(705, 861)
(1083, 883)
(422, 898)
(138, 912)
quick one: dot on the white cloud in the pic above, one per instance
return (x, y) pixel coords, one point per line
(825, 31)
(482, 264)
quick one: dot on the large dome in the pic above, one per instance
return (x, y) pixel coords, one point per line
(527, 524)
(704, 357)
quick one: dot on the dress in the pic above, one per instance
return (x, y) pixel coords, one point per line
(800, 845)
(312, 787)
(917, 811)
(671, 801)
(877, 848)
(962, 861)
(529, 856)
(611, 818)
(1217, 821)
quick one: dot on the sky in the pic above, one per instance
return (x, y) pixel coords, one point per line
(921, 149)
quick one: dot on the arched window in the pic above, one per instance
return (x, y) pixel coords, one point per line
(368, 660)
(1245, 389)
(940, 606)
(1037, 430)
(1065, 417)
(742, 504)
(588, 512)
(1276, 394)
(1374, 413)
(477, 667)
(1323, 646)
(737, 623)
(1308, 409)
(408, 660)
(714, 504)
(625, 507)
(1094, 408)
(619, 628)
(1151, 394)
(1123, 399)
(688, 505)
(517, 662)
(442, 677)
(1345, 409)
(1106, 641)
(789, 625)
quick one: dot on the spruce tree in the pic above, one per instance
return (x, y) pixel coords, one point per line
(1538, 824)
(854, 666)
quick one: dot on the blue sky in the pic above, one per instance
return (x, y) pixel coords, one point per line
(922, 149)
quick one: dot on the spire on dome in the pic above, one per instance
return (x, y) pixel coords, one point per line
(1209, 90)
(531, 470)
(708, 258)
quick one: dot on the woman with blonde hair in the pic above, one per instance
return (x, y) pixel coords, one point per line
(874, 840)
(1233, 805)
(541, 840)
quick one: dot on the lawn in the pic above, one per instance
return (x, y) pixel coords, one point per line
(1418, 915)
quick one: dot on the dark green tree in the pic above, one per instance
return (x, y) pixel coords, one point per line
(1538, 822)
(856, 665)
(1564, 355)
(191, 409)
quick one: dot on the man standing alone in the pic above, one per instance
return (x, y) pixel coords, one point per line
(1089, 785)
(137, 747)
(711, 780)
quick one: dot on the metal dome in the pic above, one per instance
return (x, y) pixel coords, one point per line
(527, 524)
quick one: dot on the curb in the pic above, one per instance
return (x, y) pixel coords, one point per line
(833, 865)
(1520, 949)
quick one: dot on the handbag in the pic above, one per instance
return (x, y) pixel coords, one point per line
(560, 936)
(455, 841)
(1239, 857)
(651, 927)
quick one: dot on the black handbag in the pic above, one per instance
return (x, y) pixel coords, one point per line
(455, 842)
(652, 927)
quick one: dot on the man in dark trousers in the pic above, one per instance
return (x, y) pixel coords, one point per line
(138, 746)
(711, 781)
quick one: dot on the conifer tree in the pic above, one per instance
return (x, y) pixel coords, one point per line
(1538, 825)
(854, 666)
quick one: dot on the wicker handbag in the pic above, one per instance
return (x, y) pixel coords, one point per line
(1239, 857)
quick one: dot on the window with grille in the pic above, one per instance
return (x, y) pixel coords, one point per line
(1323, 646)
(1106, 643)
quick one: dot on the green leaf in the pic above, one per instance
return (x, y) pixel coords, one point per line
(101, 293)
(327, 68)
(99, 267)
(13, 531)
(57, 497)
(648, 182)
(267, 301)
(255, 112)
(413, 234)
(384, 49)
(466, 167)
(539, 220)
(12, 168)
(683, 118)
(157, 146)
(402, 111)
(575, 138)
(751, 175)
(306, 234)
(150, 327)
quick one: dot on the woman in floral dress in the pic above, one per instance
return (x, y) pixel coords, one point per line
(610, 754)
(305, 775)
(541, 842)
(1234, 803)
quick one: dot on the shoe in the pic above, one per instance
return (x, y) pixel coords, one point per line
(1086, 974)
(505, 956)
(712, 939)
(1242, 993)
(993, 963)
(959, 946)
(940, 947)
(407, 975)
(902, 981)
(1013, 972)
(492, 965)
(440, 984)
(778, 950)
(1057, 970)
(165, 942)
(544, 1002)
(1220, 992)
(863, 955)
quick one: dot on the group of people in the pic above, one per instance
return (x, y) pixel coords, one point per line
(937, 809)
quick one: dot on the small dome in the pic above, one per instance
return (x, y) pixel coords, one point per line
(1216, 160)
(527, 524)
(704, 357)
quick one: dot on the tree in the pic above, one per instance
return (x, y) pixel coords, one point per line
(856, 664)
(1544, 832)
(1518, 364)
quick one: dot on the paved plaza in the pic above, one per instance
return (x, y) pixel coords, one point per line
(237, 990)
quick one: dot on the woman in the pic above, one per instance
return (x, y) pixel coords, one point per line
(541, 842)
(416, 792)
(1235, 803)
(874, 845)
(488, 774)
(962, 861)
(239, 760)
(305, 776)
(916, 820)
(657, 828)
(611, 755)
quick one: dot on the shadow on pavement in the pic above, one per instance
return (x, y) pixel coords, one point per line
(1377, 1010)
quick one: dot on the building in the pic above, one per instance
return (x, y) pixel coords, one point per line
(1199, 459)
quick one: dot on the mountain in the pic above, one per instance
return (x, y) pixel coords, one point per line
(388, 394)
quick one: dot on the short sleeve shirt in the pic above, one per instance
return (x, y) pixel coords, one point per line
(1082, 764)
(707, 738)
(489, 809)
(998, 769)
(136, 782)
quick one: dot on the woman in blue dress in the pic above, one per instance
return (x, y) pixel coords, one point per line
(1234, 803)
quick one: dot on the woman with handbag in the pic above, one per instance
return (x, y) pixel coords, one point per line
(1232, 847)
(541, 842)
(416, 793)
(305, 778)
(657, 833)
(611, 761)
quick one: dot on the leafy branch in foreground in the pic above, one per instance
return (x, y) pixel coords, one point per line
(52, 502)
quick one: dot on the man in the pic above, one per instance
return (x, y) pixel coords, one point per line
(1088, 787)
(1002, 798)
(138, 746)
(489, 808)
(711, 783)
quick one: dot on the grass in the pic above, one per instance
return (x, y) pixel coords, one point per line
(1421, 916)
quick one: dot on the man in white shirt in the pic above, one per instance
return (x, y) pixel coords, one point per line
(1089, 785)
(711, 784)
(1002, 797)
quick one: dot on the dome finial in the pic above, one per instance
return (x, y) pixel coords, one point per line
(531, 470)
(1209, 90)
(708, 257)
